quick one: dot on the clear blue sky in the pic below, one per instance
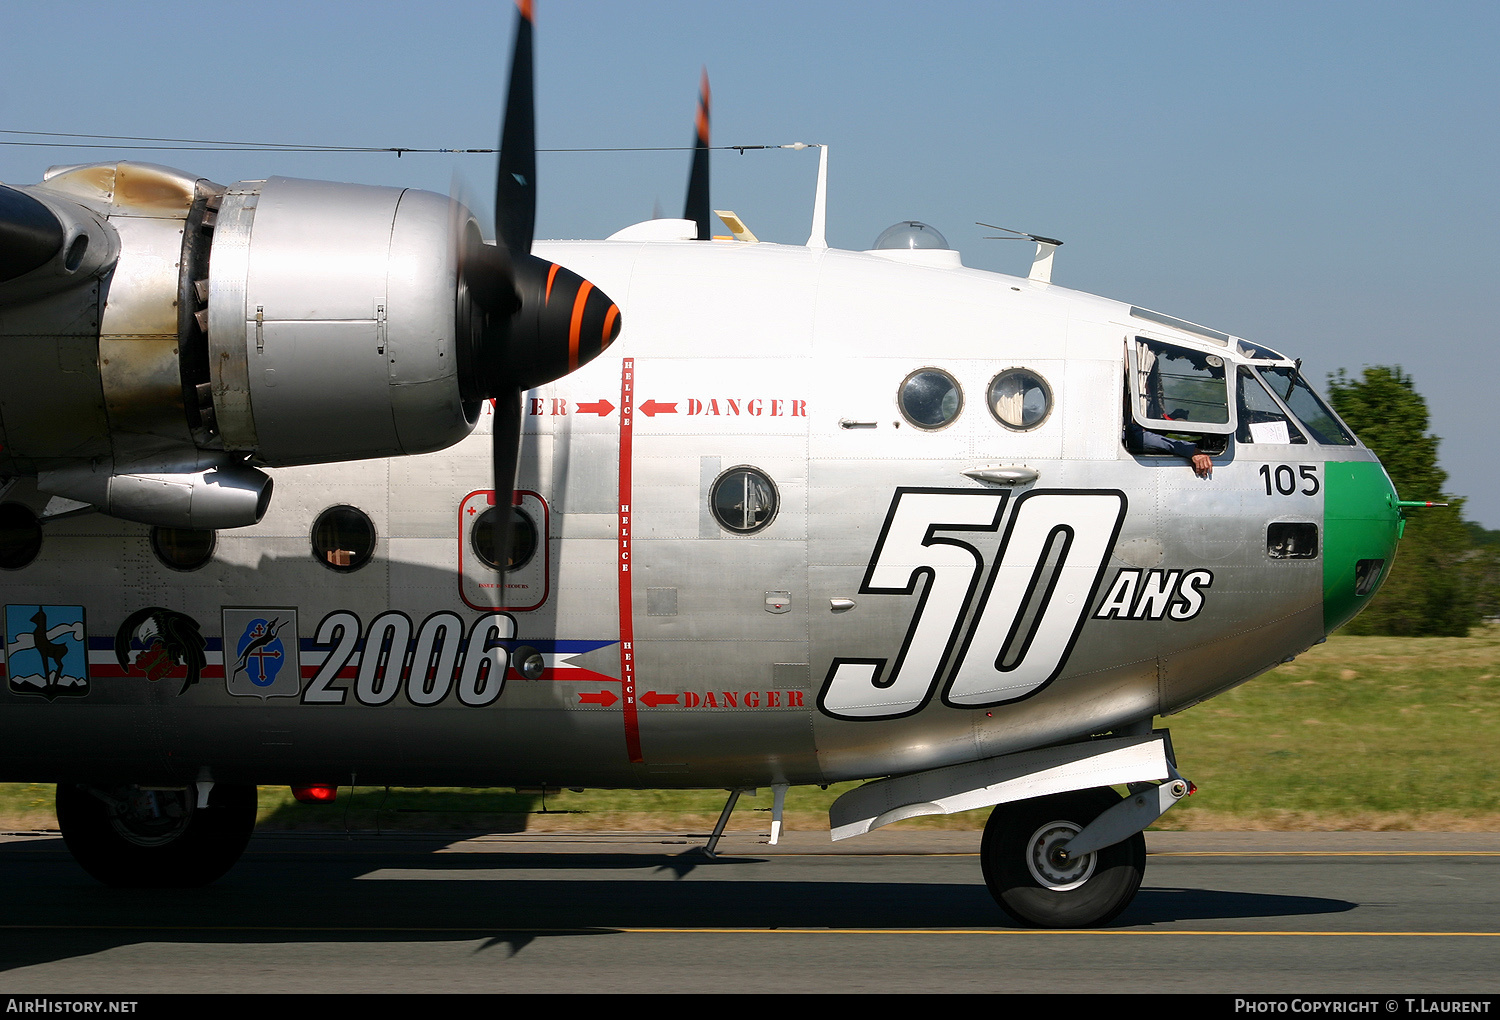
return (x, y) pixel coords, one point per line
(1320, 176)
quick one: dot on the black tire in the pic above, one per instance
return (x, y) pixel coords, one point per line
(155, 839)
(1039, 891)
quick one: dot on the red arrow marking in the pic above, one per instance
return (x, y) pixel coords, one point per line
(651, 699)
(651, 408)
(605, 698)
(599, 407)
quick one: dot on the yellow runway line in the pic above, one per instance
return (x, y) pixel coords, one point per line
(492, 932)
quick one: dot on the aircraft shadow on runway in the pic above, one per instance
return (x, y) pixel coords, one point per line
(376, 893)
(1159, 905)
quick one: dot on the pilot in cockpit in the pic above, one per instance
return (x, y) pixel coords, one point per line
(1143, 440)
(1154, 442)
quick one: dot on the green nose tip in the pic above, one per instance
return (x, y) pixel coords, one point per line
(1361, 522)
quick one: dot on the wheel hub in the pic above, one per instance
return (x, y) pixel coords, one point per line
(1052, 866)
(152, 817)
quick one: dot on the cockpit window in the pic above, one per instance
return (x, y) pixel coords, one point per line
(1261, 419)
(1287, 383)
(1178, 389)
(1258, 352)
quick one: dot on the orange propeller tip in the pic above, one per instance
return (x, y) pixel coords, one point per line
(704, 104)
(551, 276)
(611, 326)
(524, 6)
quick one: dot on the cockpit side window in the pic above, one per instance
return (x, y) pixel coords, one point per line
(1287, 383)
(1178, 389)
(1161, 443)
(1261, 419)
(1259, 352)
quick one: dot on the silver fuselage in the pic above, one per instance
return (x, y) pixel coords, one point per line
(680, 653)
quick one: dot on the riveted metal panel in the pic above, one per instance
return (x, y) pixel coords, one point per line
(421, 285)
(147, 189)
(138, 344)
(228, 344)
(661, 601)
(320, 250)
(708, 470)
(65, 418)
(300, 416)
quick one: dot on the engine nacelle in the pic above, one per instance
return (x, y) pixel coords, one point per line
(331, 322)
(166, 333)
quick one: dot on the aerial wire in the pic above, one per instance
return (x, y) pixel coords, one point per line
(93, 141)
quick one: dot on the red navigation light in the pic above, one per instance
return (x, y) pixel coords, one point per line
(317, 793)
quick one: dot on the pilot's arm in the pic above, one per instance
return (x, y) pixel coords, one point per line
(1155, 442)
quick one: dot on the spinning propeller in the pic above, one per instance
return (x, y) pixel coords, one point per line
(697, 207)
(521, 321)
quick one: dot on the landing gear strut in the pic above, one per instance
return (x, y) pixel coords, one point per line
(1038, 882)
(132, 837)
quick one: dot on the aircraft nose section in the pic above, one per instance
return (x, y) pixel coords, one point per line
(1361, 523)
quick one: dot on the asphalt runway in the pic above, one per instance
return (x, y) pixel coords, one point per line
(902, 911)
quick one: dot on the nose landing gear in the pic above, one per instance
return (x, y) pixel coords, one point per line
(1038, 882)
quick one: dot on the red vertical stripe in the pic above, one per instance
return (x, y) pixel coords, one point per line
(627, 608)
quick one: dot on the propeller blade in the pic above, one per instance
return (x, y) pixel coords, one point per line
(515, 180)
(697, 208)
(521, 321)
(505, 451)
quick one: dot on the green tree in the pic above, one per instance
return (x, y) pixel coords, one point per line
(1430, 590)
(1483, 566)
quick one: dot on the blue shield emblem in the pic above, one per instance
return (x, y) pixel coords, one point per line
(261, 653)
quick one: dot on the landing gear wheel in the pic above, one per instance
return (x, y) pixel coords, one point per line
(1039, 885)
(155, 839)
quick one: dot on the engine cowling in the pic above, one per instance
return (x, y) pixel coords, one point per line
(197, 333)
(331, 322)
